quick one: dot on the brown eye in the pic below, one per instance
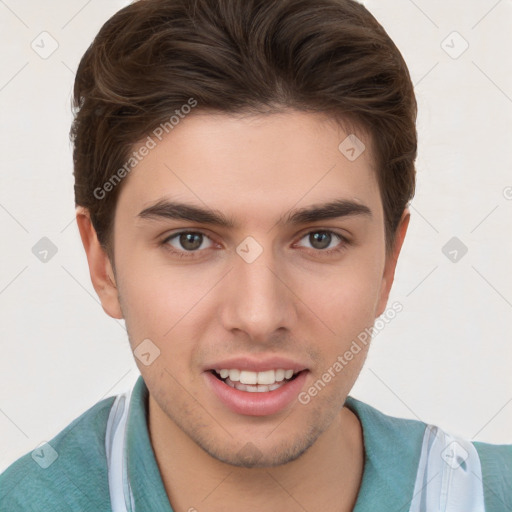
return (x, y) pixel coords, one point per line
(324, 240)
(190, 241)
(320, 239)
(186, 242)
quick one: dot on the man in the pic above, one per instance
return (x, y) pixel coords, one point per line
(242, 175)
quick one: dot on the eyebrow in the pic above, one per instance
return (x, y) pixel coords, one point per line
(165, 209)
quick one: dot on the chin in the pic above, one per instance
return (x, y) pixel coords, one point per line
(264, 454)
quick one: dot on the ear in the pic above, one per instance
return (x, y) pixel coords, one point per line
(100, 268)
(391, 260)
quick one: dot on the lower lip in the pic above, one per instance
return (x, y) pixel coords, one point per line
(256, 404)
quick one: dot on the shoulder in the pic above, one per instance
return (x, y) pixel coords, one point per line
(392, 451)
(411, 442)
(68, 472)
(391, 431)
(496, 462)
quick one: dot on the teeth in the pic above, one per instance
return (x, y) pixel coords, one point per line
(253, 389)
(265, 379)
(234, 375)
(268, 377)
(248, 377)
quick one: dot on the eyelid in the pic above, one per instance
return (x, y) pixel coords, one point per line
(333, 231)
(344, 240)
(176, 234)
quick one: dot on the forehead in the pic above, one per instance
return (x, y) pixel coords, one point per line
(253, 166)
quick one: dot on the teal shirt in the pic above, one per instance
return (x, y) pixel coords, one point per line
(69, 473)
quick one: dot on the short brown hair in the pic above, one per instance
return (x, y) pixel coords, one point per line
(240, 56)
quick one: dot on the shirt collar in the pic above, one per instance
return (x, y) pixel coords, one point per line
(392, 449)
(145, 479)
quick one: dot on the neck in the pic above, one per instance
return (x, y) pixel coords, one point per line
(325, 478)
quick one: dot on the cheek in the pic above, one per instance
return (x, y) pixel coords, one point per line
(163, 304)
(344, 299)
(156, 294)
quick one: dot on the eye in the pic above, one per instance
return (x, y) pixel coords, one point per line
(323, 240)
(187, 242)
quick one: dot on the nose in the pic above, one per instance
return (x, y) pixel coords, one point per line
(257, 298)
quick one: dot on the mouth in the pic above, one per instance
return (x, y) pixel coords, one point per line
(255, 382)
(256, 393)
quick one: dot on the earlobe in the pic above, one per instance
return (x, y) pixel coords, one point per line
(100, 267)
(391, 261)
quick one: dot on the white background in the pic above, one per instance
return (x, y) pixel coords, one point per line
(445, 359)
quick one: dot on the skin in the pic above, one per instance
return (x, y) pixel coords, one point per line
(293, 301)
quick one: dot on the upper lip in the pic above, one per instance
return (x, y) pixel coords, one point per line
(260, 364)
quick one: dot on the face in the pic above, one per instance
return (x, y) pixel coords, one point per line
(252, 289)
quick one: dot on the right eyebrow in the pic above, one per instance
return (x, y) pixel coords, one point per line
(164, 209)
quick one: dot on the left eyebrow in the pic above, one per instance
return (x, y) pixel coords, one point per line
(331, 210)
(164, 209)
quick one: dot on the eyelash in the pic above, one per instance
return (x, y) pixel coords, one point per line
(191, 254)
